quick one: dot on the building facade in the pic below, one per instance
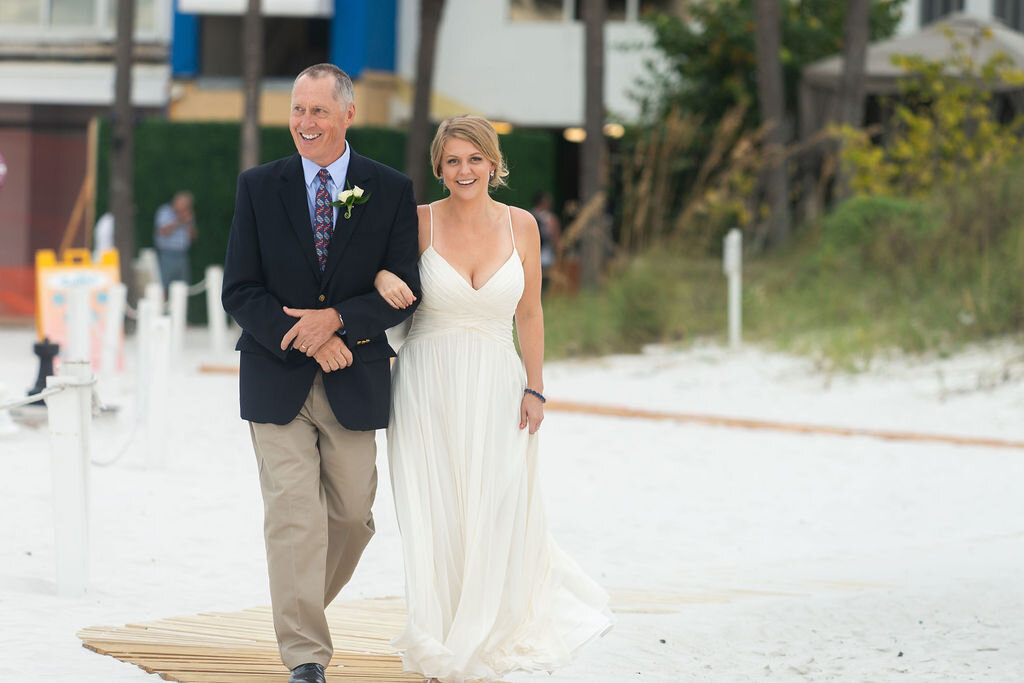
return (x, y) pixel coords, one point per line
(515, 61)
(56, 73)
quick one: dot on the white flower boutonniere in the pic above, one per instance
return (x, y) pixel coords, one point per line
(353, 196)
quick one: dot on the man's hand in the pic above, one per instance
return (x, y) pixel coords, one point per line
(334, 355)
(315, 327)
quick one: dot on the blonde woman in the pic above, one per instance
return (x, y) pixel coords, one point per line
(488, 591)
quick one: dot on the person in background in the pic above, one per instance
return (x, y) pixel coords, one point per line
(550, 233)
(174, 231)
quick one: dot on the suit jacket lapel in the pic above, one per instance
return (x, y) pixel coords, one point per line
(296, 204)
(359, 173)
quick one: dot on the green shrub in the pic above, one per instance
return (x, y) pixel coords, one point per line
(203, 158)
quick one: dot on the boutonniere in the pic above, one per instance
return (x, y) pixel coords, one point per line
(353, 196)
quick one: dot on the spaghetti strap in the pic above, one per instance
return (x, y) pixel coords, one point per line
(430, 208)
(510, 230)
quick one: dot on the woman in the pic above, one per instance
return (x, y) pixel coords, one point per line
(488, 591)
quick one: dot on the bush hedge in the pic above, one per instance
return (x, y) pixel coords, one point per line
(203, 158)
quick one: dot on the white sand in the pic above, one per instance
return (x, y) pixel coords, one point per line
(754, 555)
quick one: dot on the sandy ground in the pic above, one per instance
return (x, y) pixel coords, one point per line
(731, 554)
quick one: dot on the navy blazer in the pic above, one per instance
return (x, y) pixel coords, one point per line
(271, 262)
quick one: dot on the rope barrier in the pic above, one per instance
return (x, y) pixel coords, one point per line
(193, 290)
(45, 393)
(197, 288)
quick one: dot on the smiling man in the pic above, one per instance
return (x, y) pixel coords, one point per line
(315, 378)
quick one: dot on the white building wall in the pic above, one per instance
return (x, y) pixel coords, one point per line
(911, 21)
(527, 73)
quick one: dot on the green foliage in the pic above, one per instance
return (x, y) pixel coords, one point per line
(654, 297)
(879, 274)
(944, 129)
(711, 56)
(203, 158)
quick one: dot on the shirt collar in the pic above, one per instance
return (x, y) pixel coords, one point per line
(338, 168)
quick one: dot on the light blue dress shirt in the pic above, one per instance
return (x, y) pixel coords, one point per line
(339, 172)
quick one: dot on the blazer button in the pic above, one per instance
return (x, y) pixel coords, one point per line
(322, 297)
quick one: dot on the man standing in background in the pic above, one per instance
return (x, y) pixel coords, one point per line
(174, 230)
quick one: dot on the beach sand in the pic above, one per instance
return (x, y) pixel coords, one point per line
(731, 554)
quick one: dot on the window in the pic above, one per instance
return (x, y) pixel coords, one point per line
(674, 7)
(145, 14)
(84, 16)
(1011, 13)
(21, 12)
(933, 10)
(562, 10)
(615, 10)
(72, 12)
(290, 44)
(537, 10)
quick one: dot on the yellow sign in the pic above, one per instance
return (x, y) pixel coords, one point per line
(53, 281)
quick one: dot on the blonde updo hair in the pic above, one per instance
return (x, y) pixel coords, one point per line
(478, 132)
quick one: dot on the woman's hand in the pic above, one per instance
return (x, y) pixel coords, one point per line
(531, 413)
(394, 290)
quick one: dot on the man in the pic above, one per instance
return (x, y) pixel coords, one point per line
(315, 377)
(174, 231)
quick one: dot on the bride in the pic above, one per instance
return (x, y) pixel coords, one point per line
(488, 591)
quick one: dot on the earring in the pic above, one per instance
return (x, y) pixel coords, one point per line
(492, 176)
(440, 181)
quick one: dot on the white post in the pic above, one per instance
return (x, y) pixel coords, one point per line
(113, 328)
(156, 403)
(732, 265)
(78, 324)
(155, 292)
(149, 264)
(215, 316)
(143, 333)
(178, 304)
(70, 416)
(7, 424)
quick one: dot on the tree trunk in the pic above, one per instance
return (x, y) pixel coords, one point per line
(773, 111)
(850, 108)
(593, 155)
(855, 54)
(122, 140)
(416, 143)
(252, 61)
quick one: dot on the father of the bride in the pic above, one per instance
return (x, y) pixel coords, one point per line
(315, 376)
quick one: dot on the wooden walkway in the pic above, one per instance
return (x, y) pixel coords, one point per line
(239, 647)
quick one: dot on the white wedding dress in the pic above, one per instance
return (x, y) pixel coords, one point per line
(487, 589)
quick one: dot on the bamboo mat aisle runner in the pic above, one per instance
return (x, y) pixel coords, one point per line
(239, 647)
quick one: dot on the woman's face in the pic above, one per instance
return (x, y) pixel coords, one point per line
(464, 168)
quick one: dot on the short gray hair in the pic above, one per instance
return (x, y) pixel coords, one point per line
(343, 91)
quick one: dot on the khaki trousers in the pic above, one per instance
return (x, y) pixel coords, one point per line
(318, 481)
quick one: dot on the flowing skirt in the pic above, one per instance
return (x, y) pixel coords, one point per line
(488, 591)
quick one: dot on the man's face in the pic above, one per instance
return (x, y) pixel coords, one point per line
(318, 121)
(182, 207)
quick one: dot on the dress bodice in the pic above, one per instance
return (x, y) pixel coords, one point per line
(451, 303)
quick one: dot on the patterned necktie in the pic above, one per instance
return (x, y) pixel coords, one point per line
(323, 218)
